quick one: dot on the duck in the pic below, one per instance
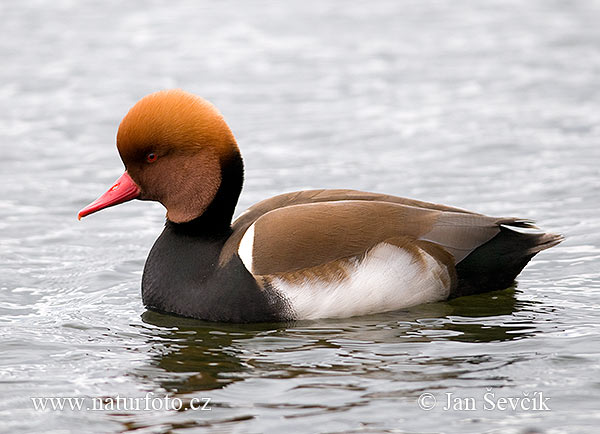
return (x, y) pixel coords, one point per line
(303, 255)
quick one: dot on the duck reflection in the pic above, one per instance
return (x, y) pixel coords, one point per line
(194, 355)
(202, 355)
(492, 317)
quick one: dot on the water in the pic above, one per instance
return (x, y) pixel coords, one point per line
(489, 106)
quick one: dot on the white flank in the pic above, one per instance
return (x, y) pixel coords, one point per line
(246, 247)
(388, 278)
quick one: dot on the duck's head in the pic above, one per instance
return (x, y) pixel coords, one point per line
(177, 150)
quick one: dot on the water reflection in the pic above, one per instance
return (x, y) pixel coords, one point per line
(202, 354)
(190, 355)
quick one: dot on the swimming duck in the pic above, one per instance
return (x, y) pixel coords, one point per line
(301, 255)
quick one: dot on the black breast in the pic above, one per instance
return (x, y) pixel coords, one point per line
(182, 276)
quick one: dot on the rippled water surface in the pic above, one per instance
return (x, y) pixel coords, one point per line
(492, 106)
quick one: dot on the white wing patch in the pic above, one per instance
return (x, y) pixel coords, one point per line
(388, 278)
(246, 247)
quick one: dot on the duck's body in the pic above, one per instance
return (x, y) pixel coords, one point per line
(286, 258)
(304, 255)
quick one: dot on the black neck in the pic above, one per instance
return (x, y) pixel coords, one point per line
(215, 222)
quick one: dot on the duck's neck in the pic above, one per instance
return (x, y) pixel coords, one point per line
(215, 221)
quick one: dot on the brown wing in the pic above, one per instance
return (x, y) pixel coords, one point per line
(315, 196)
(310, 228)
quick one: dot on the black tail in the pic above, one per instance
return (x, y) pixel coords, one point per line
(495, 264)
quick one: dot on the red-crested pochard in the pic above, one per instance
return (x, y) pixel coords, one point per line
(302, 255)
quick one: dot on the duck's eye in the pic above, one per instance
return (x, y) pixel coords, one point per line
(151, 157)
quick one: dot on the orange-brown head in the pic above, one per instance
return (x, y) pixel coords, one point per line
(175, 147)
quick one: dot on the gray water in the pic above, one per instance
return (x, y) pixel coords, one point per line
(491, 106)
